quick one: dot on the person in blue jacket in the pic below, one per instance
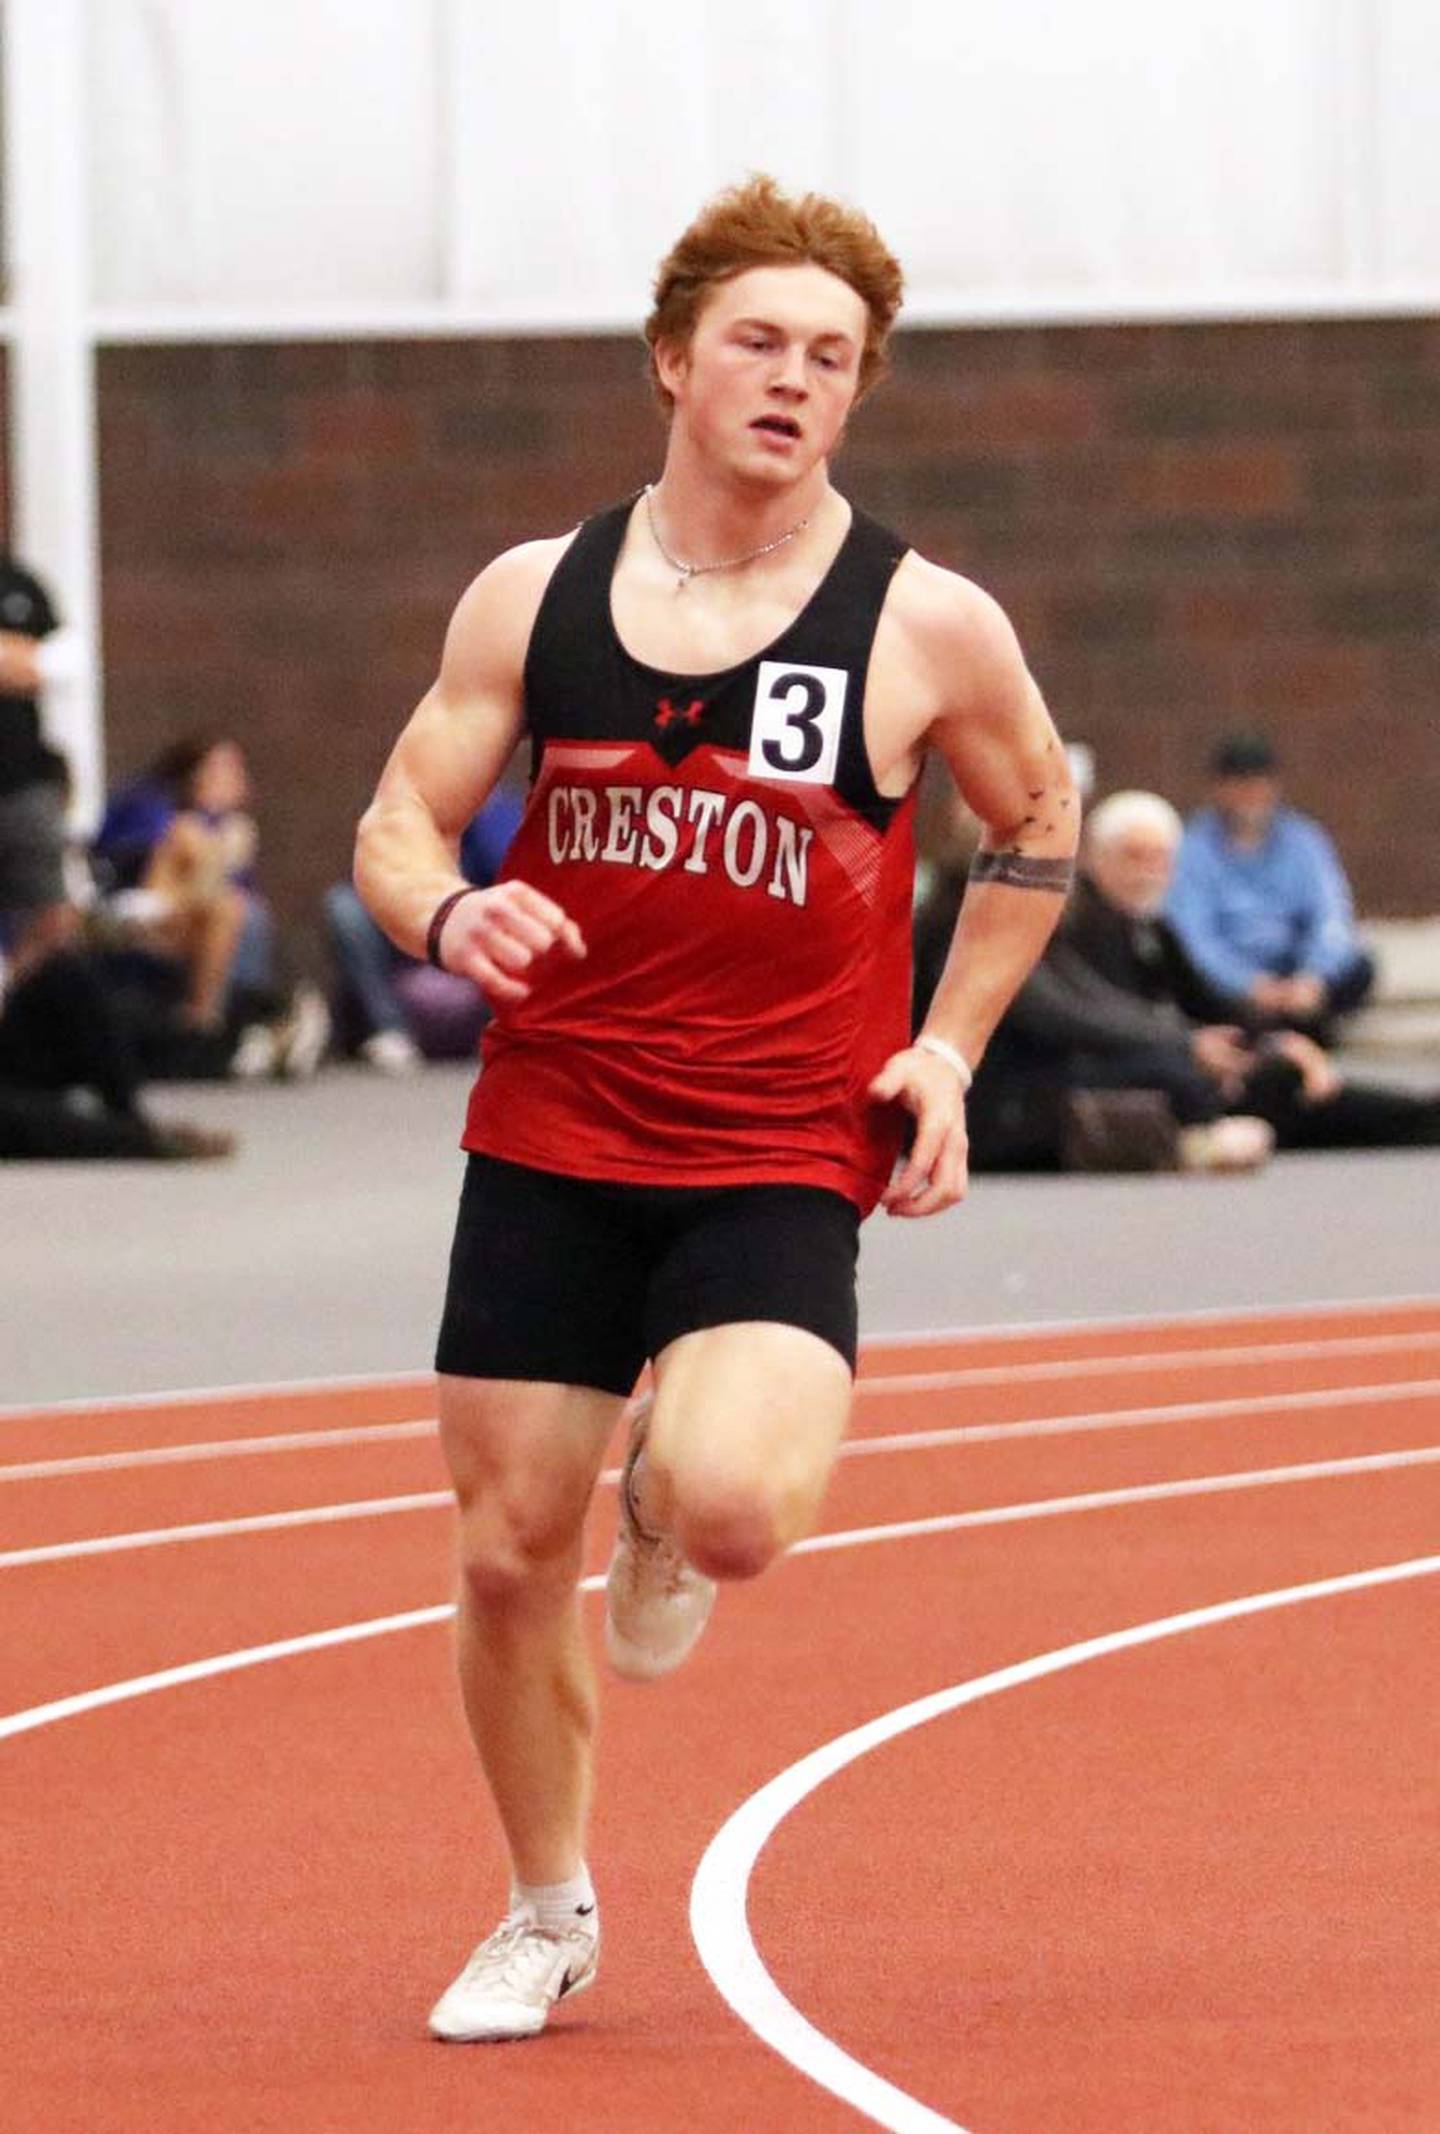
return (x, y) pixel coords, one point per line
(1260, 899)
(383, 1019)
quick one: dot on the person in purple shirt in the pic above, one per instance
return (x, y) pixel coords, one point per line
(1261, 902)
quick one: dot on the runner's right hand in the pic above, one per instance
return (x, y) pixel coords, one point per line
(501, 937)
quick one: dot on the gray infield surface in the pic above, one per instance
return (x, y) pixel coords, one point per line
(320, 1250)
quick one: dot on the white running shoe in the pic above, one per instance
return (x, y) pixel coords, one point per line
(303, 1035)
(513, 1980)
(392, 1052)
(256, 1054)
(655, 1605)
(1235, 1143)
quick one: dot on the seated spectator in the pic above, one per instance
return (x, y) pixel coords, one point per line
(35, 913)
(1116, 1004)
(391, 1011)
(176, 853)
(1261, 902)
(177, 846)
(70, 1074)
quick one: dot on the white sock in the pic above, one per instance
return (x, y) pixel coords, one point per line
(558, 1905)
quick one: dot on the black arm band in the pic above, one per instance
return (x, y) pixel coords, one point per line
(442, 912)
(1017, 870)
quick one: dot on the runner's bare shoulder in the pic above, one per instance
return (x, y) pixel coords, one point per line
(496, 613)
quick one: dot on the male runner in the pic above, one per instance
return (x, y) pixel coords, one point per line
(699, 1074)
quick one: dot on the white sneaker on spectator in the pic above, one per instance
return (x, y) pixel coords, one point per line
(256, 1054)
(391, 1052)
(656, 1605)
(1240, 1143)
(303, 1035)
(514, 1978)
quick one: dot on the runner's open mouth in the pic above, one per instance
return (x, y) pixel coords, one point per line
(777, 425)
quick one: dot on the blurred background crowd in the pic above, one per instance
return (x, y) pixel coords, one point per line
(1184, 1017)
(301, 327)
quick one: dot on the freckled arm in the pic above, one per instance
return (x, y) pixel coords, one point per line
(1006, 758)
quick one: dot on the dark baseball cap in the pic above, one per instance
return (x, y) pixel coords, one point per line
(1243, 756)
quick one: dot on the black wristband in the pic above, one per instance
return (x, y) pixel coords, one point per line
(442, 912)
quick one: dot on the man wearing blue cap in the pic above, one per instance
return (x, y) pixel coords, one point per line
(1260, 899)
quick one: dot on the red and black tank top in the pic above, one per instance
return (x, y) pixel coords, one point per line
(743, 888)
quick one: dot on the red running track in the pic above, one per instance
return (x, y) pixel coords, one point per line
(1188, 1886)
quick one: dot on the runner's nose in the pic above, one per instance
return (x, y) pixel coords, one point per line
(789, 376)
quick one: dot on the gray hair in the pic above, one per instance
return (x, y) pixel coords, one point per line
(1119, 813)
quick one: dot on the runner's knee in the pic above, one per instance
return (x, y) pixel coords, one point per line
(517, 1553)
(726, 1528)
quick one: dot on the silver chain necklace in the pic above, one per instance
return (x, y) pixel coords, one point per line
(686, 571)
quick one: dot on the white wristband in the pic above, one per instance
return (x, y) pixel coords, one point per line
(949, 1055)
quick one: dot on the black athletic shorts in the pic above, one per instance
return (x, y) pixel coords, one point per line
(578, 1281)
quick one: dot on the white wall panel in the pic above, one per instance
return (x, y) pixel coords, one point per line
(1095, 150)
(585, 137)
(465, 162)
(1407, 147)
(248, 151)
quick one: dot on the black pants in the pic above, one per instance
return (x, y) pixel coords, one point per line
(1349, 989)
(62, 1029)
(1361, 1115)
(1018, 1124)
(1195, 1097)
(35, 1124)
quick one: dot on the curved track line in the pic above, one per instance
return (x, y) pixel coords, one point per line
(854, 1537)
(718, 1892)
(220, 1663)
(940, 1523)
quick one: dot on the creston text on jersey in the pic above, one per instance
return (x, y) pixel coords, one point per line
(693, 828)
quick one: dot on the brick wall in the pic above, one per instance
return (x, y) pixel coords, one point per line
(1192, 527)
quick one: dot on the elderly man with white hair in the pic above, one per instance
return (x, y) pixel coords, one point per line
(1117, 1005)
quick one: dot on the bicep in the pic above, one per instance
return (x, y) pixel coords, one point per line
(466, 726)
(451, 754)
(1001, 745)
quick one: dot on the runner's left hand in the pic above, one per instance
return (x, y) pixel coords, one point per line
(935, 1174)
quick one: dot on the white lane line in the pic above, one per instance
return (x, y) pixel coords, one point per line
(718, 1894)
(918, 1440)
(227, 1448)
(156, 1537)
(1144, 1322)
(222, 1663)
(1037, 1426)
(1186, 1411)
(209, 1396)
(73, 1707)
(1096, 1500)
(227, 1663)
(1056, 1367)
(850, 1537)
(1019, 1331)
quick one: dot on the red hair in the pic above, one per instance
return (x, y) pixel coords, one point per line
(756, 225)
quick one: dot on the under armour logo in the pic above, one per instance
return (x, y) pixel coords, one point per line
(667, 713)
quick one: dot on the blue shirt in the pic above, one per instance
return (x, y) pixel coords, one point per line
(1275, 908)
(487, 836)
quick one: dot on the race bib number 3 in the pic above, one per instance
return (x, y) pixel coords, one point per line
(795, 729)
